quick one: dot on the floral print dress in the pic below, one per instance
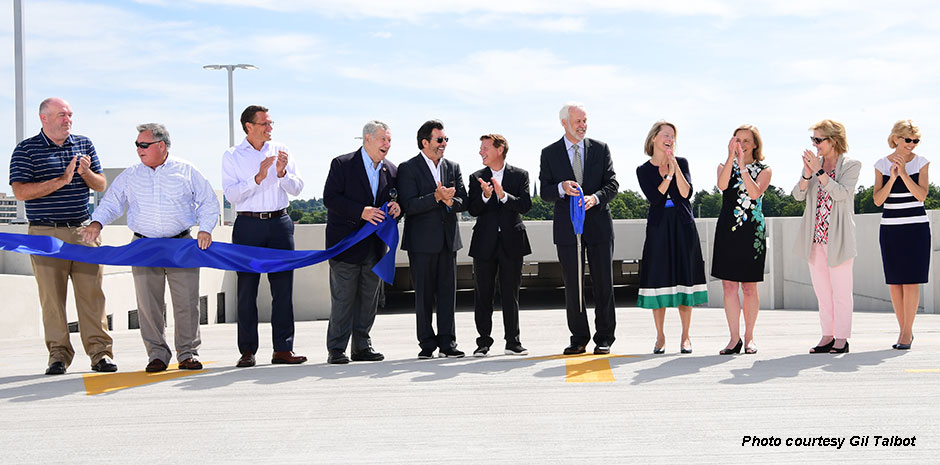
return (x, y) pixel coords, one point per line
(741, 233)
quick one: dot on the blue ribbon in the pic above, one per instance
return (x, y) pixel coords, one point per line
(185, 253)
(577, 211)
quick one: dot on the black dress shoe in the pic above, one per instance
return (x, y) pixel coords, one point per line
(246, 360)
(104, 365)
(337, 357)
(481, 351)
(56, 368)
(602, 350)
(574, 349)
(450, 353)
(367, 355)
(425, 354)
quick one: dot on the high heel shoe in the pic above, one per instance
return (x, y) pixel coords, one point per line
(905, 346)
(823, 349)
(735, 350)
(683, 350)
(843, 350)
(659, 350)
(750, 349)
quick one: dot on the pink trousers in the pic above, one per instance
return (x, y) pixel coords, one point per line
(833, 286)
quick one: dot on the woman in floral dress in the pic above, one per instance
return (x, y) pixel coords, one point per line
(740, 234)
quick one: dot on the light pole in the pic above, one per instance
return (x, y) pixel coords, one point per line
(231, 96)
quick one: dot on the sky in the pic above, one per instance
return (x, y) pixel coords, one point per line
(326, 67)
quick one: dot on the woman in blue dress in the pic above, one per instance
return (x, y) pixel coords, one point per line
(901, 185)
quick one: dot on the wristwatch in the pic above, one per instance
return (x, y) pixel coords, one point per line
(820, 172)
(668, 177)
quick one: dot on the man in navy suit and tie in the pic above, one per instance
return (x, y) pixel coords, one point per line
(572, 162)
(358, 184)
(431, 193)
(499, 195)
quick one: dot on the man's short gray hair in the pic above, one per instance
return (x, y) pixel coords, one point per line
(158, 130)
(372, 127)
(566, 110)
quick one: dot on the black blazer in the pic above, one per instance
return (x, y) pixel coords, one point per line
(429, 225)
(599, 179)
(494, 216)
(345, 194)
(649, 179)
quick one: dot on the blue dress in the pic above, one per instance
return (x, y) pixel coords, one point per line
(905, 229)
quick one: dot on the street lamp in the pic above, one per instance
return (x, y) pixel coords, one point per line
(231, 98)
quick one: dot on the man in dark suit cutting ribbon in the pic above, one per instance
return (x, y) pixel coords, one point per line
(570, 163)
(357, 186)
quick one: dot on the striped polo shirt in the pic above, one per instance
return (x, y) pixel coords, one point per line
(901, 207)
(38, 159)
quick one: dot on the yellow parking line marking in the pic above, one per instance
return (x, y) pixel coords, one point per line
(586, 368)
(100, 383)
(924, 370)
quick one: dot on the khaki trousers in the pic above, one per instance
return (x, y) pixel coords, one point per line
(150, 287)
(52, 277)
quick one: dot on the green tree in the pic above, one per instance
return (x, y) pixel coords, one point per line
(707, 205)
(541, 210)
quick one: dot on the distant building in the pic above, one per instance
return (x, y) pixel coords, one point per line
(8, 207)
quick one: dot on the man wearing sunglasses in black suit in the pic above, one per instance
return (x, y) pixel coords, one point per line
(431, 194)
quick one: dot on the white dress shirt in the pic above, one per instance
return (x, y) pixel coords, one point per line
(570, 147)
(435, 170)
(162, 201)
(240, 164)
(498, 176)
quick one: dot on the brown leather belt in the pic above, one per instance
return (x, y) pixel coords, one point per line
(265, 215)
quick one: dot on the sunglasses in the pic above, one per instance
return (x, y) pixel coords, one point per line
(909, 140)
(818, 140)
(146, 145)
(440, 140)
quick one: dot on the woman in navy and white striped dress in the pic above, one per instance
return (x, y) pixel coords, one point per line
(901, 185)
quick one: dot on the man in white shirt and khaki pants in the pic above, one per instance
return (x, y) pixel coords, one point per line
(164, 197)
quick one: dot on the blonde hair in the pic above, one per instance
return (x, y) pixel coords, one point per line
(835, 131)
(903, 128)
(758, 154)
(657, 126)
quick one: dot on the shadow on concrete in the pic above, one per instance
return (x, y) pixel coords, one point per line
(790, 367)
(53, 387)
(680, 365)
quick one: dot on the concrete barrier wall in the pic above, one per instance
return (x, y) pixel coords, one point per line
(786, 280)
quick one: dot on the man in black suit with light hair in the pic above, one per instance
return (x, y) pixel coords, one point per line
(499, 195)
(357, 186)
(572, 162)
(431, 193)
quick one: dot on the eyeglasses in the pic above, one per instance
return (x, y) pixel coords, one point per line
(268, 124)
(818, 140)
(909, 140)
(440, 140)
(146, 145)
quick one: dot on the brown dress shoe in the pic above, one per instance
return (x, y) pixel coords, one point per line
(288, 358)
(247, 360)
(190, 364)
(155, 365)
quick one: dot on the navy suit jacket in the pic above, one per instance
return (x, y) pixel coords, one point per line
(430, 226)
(599, 179)
(496, 219)
(345, 194)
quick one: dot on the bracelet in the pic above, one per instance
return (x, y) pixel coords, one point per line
(805, 178)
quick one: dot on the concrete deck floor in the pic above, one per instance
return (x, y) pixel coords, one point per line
(501, 409)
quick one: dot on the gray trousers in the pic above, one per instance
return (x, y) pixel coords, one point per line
(150, 284)
(354, 293)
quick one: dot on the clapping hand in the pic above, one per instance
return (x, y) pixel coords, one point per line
(487, 187)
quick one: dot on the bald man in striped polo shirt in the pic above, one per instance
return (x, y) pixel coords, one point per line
(52, 172)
